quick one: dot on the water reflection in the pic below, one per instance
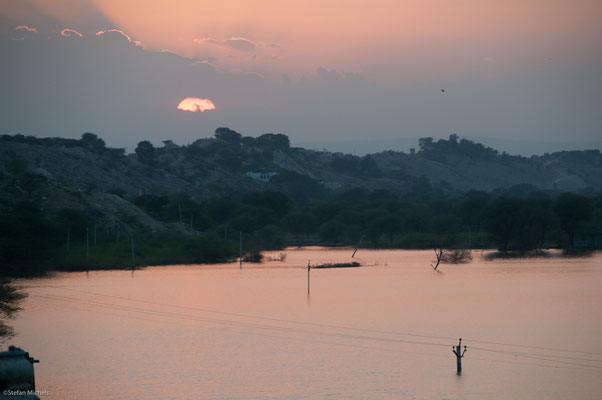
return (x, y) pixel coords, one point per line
(383, 330)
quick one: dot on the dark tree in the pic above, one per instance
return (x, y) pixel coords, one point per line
(248, 141)
(10, 297)
(503, 219)
(228, 135)
(145, 151)
(273, 140)
(572, 210)
(425, 143)
(332, 232)
(386, 225)
(277, 202)
(301, 223)
(93, 142)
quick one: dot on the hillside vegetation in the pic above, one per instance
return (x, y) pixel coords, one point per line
(190, 203)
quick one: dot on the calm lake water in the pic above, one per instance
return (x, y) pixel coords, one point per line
(384, 330)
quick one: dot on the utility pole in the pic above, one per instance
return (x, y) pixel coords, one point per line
(240, 250)
(459, 354)
(308, 269)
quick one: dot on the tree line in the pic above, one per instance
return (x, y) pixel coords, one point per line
(209, 230)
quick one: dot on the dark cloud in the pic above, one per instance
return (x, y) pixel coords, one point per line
(125, 93)
(109, 86)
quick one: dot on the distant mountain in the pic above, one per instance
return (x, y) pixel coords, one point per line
(511, 146)
(85, 174)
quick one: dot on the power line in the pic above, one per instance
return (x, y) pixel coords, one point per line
(353, 346)
(267, 318)
(538, 357)
(305, 331)
(237, 323)
(331, 326)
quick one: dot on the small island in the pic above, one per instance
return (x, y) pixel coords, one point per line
(337, 265)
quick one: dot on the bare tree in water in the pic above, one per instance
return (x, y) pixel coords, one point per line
(439, 254)
(10, 298)
(451, 256)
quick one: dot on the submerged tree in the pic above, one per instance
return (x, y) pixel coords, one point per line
(10, 298)
(572, 210)
(451, 256)
(439, 255)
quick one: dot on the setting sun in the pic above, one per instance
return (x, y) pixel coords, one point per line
(194, 104)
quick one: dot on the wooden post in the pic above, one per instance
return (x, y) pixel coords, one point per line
(358, 246)
(240, 250)
(459, 354)
(94, 235)
(133, 252)
(308, 269)
(68, 236)
(87, 244)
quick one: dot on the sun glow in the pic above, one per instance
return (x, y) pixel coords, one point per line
(194, 104)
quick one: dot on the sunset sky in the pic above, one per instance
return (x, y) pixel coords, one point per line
(318, 71)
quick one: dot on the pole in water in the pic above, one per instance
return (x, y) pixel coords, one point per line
(133, 252)
(358, 246)
(87, 244)
(95, 235)
(459, 354)
(68, 236)
(308, 269)
(240, 250)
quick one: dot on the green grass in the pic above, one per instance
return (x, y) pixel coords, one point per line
(149, 249)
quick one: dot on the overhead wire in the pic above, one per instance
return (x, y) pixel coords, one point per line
(301, 331)
(238, 323)
(333, 326)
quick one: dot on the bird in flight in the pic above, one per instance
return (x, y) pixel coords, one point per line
(442, 90)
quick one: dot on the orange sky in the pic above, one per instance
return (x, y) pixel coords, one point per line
(376, 37)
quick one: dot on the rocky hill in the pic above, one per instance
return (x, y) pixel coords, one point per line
(107, 183)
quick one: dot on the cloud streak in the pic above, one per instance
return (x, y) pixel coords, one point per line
(67, 32)
(27, 28)
(234, 43)
(100, 33)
